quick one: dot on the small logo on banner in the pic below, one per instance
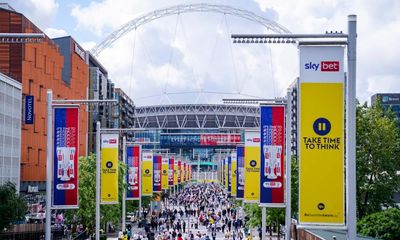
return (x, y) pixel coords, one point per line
(322, 126)
(325, 66)
(109, 164)
(253, 163)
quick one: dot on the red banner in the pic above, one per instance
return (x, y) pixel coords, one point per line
(133, 176)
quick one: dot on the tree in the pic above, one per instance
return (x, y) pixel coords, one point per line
(383, 225)
(378, 158)
(86, 213)
(12, 205)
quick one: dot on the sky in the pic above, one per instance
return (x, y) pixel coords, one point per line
(190, 57)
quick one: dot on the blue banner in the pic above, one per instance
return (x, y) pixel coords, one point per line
(65, 166)
(240, 173)
(229, 174)
(272, 174)
(29, 109)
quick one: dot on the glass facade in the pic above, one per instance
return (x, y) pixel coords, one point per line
(10, 130)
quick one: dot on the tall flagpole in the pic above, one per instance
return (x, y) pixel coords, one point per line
(98, 168)
(124, 182)
(49, 164)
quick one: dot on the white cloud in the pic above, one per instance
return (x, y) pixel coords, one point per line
(88, 45)
(40, 12)
(55, 33)
(378, 31)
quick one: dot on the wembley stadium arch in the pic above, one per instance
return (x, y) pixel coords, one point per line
(201, 134)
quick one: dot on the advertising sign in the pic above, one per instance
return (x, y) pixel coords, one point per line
(133, 175)
(29, 109)
(65, 156)
(157, 174)
(198, 140)
(240, 173)
(109, 168)
(165, 175)
(187, 172)
(171, 166)
(179, 170)
(147, 173)
(272, 191)
(226, 180)
(229, 174)
(176, 171)
(321, 132)
(252, 166)
(233, 172)
(183, 177)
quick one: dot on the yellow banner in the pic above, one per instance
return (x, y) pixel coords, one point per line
(109, 169)
(187, 172)
(252, 174)
(164, 173)
(233, 171)
(321, 178)
(147, 174)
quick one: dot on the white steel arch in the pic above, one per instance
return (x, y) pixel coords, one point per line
(186, 8)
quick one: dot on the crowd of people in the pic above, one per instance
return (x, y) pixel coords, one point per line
(196, 212)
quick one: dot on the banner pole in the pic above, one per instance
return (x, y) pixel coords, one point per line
(288, 198)
(98, 166)
(49, 164)
(351, 217)
(124, 182)
(140, 185)
(263, 222)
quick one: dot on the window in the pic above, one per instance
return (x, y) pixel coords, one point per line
(34, 57)
(30, 85)
(40, 92)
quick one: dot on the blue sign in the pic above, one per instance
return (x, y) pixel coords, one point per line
(29, 109)
(240, 173)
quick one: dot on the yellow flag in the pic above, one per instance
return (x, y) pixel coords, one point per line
(252, 166)
(109, 168)
(147, 173)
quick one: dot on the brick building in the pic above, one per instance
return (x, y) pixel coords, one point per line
(39, 67)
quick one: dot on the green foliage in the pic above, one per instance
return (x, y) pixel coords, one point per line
(383, 225)
(12, 205)
(295, 186)
(86, 214)
(378, 159)
(253, 211)
(274, 216)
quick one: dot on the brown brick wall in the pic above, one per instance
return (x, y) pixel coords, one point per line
(38, 67)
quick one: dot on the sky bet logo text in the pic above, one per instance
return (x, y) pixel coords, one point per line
(325, 66)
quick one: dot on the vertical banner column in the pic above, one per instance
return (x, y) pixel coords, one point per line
(179, 170)
(165, 175)
(157, 174)
(147, 173)
(65, 155)
(252, 166)
(321, 132)
(240, 173)
(109, 168)
(229, 174)
(133, 175)
(171, 166)
(272, 179)
(233, 174)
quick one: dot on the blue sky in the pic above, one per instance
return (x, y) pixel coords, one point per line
(193, 52)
